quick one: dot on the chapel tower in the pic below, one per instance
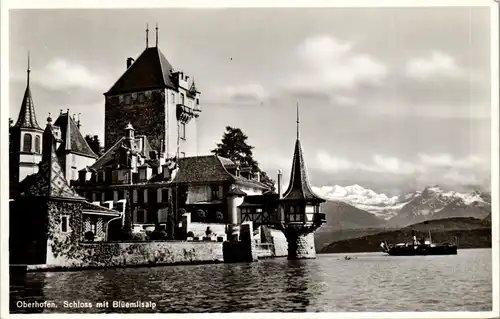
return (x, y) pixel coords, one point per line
(25, 140)
(160, 103)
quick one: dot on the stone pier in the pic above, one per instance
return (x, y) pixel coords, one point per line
(300, 242)
(301, 246)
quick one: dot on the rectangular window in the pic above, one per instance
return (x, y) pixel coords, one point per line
(64, 224)
(108, 195)
(140, 196)
(182, 99)
(215, 192)
(140, 215)
(183, 131)
(173, 98)
(121, 195)
(164, 195)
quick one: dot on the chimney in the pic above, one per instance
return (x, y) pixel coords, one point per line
(129, 62)
(280, 174)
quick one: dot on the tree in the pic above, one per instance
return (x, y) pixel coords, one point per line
(94, 143)
(234, 146)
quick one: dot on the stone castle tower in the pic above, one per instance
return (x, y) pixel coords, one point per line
(25, 140)
(160, 103)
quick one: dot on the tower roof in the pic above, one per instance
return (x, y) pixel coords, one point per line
(299, 188)
(27, 118)
(72, 139)
(49, 181)
(151, 70)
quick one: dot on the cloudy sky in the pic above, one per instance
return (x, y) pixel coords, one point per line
(390, 98)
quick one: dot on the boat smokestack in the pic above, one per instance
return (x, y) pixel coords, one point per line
(280, 176)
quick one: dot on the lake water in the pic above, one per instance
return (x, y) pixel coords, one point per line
(368, 282)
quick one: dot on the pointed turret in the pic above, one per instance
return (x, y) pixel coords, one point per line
(25, 140)
(299, 187)
(27, 117)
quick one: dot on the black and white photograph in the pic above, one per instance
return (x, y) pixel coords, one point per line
(241, 159)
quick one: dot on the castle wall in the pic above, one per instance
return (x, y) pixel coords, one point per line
(72, 163)
(188, 146)
(198, 193)
(121, 254)
(144, 110)
(279, 242)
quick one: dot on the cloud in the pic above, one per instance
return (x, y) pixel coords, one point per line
(61, 74)
(325, 65)
(344, 100)
(438, 64)
(250, 92)
(439, 168)
(447, 161)
(379, 164)
(394, 175)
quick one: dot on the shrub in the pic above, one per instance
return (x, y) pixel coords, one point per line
(190, 234)
(200, 213)
(139, 236)
(219, 216)
(158, 235)
(89, 236)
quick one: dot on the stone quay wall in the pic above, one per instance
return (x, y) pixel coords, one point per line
(280, 244)
(127, 254)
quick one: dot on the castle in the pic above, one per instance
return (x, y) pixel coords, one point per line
(151, 163)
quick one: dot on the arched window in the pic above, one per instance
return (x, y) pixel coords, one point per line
(37, 144)
(27, 143)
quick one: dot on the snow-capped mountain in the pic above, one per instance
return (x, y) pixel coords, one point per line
(411, 207)
(434, 203)
(380, 205)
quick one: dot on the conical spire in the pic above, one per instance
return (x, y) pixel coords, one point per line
(298, 128)
(299, 187)
(156, 34)
(27, 117)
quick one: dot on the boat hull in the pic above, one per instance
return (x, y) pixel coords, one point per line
(421, 251)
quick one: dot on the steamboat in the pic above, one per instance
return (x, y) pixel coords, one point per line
(419, 247)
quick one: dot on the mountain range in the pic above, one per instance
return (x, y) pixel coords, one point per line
(467, 232)
(354, 206)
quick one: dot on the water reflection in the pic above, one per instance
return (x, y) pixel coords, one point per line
(297, 284)
(26, 288)
(328, 283)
